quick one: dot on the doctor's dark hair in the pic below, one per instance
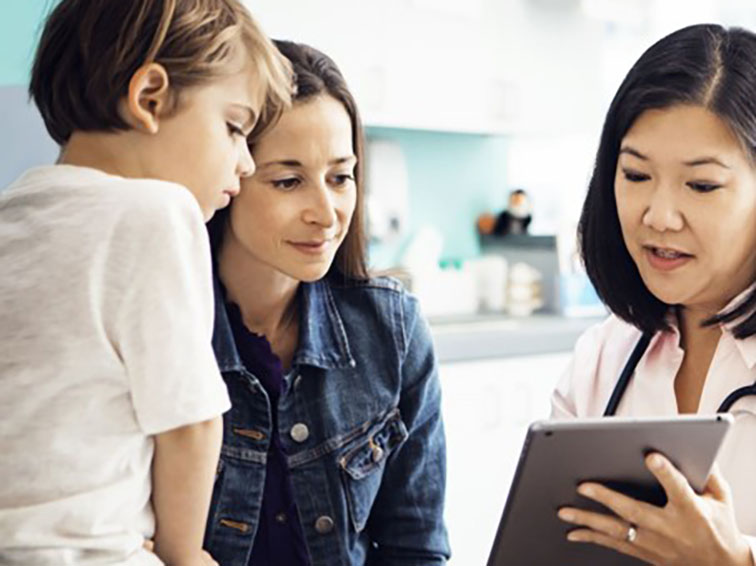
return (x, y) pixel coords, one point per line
(90, 50)
(704, 65)
(316, 74)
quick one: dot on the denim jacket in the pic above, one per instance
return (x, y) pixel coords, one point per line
(360, 423)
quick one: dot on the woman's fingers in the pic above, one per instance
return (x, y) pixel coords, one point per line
(675, 484)
(631, 510)
(620, 545)
(717, 487)
(615, 528)
(206, 558)
(611, 526)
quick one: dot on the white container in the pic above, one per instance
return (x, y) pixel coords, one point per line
(524, 291)
(490, 273)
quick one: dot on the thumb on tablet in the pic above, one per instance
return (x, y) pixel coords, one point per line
(675, 484)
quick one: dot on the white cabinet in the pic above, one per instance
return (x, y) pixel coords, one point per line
(475, 66)
(421, 64)
(487, 407)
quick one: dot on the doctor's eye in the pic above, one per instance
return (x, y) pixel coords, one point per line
(703, 187)
(635, 176)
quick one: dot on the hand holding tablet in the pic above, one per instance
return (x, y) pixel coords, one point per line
(689, 530)
(624, 505)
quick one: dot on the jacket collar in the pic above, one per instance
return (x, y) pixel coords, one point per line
(224, 346)
(323, 339)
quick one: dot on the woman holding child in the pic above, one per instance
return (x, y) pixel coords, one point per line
(333, 451)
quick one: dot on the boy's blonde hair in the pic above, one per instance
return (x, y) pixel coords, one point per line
(90, 49)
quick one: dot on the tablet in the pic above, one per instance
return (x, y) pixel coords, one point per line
(559, 455)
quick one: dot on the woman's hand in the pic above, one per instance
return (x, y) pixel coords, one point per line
(690, 530)
(205, 558)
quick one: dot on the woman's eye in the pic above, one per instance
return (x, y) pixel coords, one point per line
(286, 184)
(635, 176)
(234, 130)
(701, 187)
(340, 180)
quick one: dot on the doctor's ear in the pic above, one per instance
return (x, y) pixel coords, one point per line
(149, 97)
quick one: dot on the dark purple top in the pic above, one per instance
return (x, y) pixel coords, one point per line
(279, 538)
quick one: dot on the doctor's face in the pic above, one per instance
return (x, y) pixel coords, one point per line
(294, 212)
(686, 198)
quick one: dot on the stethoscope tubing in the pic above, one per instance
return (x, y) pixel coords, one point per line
(627, 374)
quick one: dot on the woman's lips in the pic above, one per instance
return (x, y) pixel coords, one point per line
(312, 247)
(665, 259)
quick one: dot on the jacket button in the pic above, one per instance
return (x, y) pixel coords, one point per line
(377, 453)
(300, 432)
(324, 525)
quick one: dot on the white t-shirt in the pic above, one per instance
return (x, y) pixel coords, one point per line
(106, 317)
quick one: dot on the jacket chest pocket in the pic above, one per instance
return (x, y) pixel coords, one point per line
(363, 462)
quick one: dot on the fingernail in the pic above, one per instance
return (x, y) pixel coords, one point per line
(573, 536)
(566, 515)
(585, 490)
(655, 461)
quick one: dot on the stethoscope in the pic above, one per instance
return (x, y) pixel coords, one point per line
(629, 369)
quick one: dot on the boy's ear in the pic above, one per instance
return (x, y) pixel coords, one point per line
(148, 97)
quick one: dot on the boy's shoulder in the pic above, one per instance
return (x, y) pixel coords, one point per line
(67, 192)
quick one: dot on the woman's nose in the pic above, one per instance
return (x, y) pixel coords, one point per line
(320, 209)
(662, 212)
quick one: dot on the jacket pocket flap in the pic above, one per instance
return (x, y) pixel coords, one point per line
(374, 447)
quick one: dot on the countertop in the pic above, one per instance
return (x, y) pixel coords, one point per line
(474, 337)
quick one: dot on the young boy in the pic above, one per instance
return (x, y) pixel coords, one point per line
(111, 397)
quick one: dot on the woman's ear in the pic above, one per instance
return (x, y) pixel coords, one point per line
(148, 97)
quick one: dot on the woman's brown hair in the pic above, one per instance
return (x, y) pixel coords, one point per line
(90, 49)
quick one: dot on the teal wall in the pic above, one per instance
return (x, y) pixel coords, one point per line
(453, 178)
(20, 25)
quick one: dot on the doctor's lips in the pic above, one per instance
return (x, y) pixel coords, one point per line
(666, 258)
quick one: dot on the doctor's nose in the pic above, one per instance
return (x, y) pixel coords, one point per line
(662, 212)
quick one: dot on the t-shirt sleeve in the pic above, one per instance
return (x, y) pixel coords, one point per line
(164, 322)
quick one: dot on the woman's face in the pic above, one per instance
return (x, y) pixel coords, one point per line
(294, 212)
(686, 198)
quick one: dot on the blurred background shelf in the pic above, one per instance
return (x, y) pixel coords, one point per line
(473, 337)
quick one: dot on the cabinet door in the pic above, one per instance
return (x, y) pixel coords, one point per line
(418, 64)
(487, 407)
